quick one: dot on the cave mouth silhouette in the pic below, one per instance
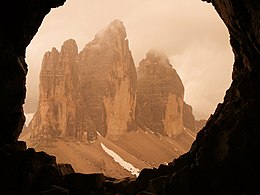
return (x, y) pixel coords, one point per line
(161, 162)
(223, 159)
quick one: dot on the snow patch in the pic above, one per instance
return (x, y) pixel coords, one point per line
(28, 118)
(118, 159)
(189, 134)
(98, 133)
(151, 131)
(169, 141)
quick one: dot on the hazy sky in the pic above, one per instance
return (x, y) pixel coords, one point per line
(189, 31)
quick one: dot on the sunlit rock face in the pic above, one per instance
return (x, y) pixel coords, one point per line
(108, 81)
(61, 110)
(94, 90)
(159, 95)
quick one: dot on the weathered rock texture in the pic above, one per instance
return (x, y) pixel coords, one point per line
(189, 120)
(61, 109)
(88, 92)
(159, 95)
(108, 81)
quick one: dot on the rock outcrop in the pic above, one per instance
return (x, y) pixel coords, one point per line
(188, 118)
(94, 90)
(61, 108)
(108, 81)
(159, 95)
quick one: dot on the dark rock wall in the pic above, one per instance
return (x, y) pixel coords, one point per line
(224, 159)
(19, 21)
(225, 153)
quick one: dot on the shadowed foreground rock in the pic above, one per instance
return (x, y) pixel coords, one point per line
(224, 159)
(19, 21)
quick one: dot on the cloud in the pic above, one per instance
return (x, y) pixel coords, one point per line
(205, 70)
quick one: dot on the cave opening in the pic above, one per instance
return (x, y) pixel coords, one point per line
(222, 160)
(197, 66)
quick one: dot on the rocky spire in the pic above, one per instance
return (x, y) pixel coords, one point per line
(114, 35)
(108, 80)
(61, 110)
(159, 95)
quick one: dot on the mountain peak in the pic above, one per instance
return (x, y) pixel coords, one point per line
(113, 32)
(116, 23)
(69, 46)
(156, 57)
(156, 54)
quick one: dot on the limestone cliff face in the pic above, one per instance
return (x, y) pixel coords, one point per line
(159, 95)
(189, 120)
(61, 108)
(108, 81)
(91, 91)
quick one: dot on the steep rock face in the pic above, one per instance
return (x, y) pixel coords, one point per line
(61, 110)
(159, 95)
(108, 81)
(188, 118)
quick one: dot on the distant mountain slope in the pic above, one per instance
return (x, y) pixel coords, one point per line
(90, 157)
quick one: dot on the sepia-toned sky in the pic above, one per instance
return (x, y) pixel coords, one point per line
(189, 31)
